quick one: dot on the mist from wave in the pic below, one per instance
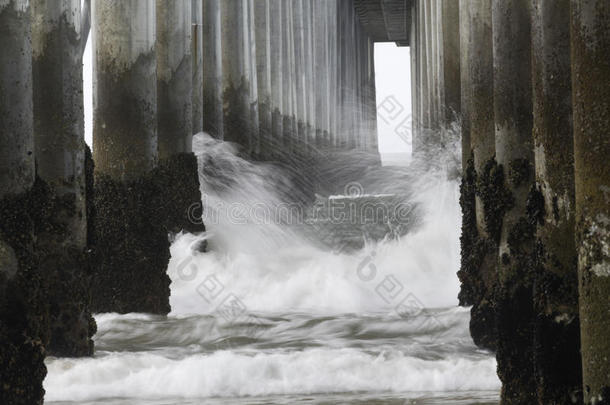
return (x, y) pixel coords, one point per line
(271, 315)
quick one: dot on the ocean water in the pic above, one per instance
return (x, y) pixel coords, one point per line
(270, 315)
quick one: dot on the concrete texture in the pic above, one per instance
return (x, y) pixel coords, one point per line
(197, 65)
(23, 309)
(590, 45)
(58, 38)
(556, 344)
(212, 70)
(515, 154)
(235, 72)
(132, 247)
(174, 77)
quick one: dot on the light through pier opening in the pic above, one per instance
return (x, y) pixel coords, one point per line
(393, 93)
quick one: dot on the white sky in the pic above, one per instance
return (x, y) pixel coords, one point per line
(393, 82)
(393, 86)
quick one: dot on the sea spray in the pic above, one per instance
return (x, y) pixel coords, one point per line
(269, 315)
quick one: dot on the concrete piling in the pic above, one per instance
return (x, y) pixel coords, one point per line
(450, 43)
(57, 44)
(310, 98)
(289, 122)
(250, 52)
(464, 80)
(320, 78)
(332, 70)
(177, 174)
(132, 245)
(213, 112)
(235, 77)
(174, 77)
(197, 65)
(556, 328)
(300, 52)
(515, 154)
(262, 25)
(23, 308)
(481, 181)
(590, 47)
(278, 59)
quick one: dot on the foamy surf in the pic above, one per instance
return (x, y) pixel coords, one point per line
(268, 316)
(238, 374)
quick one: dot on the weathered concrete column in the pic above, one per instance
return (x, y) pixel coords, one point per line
(177, 174)
(351, 73)
(57, 42)
(174, 78)
(415, 76)
(482, 135)
(429, 27)
(371, 101)
(132, 245)
(511, 21)
(235, 71)
(341, 84)
(362, 89)
(213, 122)
(482, 178)
(253, 100)
(320, 79)
(590, 42)
(289, 122)
(197, 64)
(300, 55)
(347, 75)
(17, 159)
(358, 85)
(264, 63)
(310, 87)
(451, 61)
(422, 79)
(121, 129)
(332, 71)
(435, 56)
(465, 86)
(278, 59)
(22, 325)
(556, 330)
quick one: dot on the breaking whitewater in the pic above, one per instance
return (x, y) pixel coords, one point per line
(291, 307)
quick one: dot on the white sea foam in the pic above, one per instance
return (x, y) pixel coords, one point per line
(332, 322)
(270, 267)
(227, 373)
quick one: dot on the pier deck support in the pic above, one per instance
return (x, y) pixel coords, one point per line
(235, 73)
(556, 328)
(278, 60)
(197, 64)
(58, 41)
(178, 174)
(131, 244)
(482, 181)
(511, 21)
(262, 26)
(23, 309)
(212, 70)
(590, 43)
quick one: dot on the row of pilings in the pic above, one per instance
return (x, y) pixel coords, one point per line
(84, 232)
(530, 84)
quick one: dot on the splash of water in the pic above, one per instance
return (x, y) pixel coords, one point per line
(271, 315)
(261, 257)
